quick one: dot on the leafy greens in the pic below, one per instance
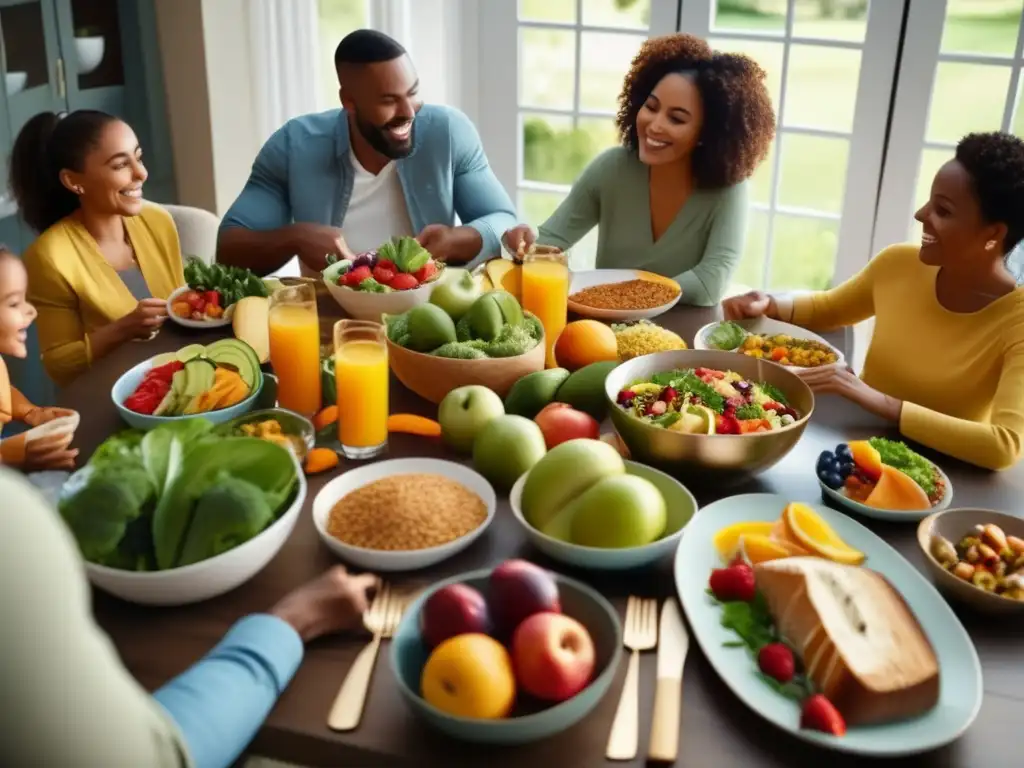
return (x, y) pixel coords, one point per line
(726, 335)
(232, 283)
(405, 253)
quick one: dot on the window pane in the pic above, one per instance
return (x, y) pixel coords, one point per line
(803, 253)
(602, 133)
(547, 60)
(617, 13)
(813, 172)
(967, 97)
(831, 19)
(555, 152)
(750, 273)
(821, 87)
(548, 10)
(1018, 118)
(606, 57)
(337, 19)
(536, 207)
(982, 26)
(749, 15)
(931, 161)
(24, 46)
(761, 181)
(767, 54)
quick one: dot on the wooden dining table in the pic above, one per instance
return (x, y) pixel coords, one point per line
(717, 729)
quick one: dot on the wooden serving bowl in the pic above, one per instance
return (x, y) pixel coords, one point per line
(433, 377)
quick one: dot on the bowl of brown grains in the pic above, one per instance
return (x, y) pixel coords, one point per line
(403, 514)
(621, 295)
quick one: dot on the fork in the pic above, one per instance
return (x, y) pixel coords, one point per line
(382, 620)
(640, 633)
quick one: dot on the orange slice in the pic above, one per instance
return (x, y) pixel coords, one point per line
(727, 540)
(781, 535)
(807, 527)
(759, 549)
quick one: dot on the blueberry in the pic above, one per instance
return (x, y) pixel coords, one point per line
(832, 480)
(825, 459)
(845, 468)
(843, 452)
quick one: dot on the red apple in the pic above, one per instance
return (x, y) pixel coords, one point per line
(553, 656)
(560, 422)
(519, 589)
(453, 610)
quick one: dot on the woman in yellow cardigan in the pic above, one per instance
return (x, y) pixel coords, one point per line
(105, 261)
(946, 360)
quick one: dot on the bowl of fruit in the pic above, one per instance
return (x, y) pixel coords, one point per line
(219, 382)
(506, 656)
(210, 293)
(883, 479)
(396, 277)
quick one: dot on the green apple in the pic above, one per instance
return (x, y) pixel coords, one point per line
(617, 512)
(564, 473)
(456, 292)
(464, 412)
(507, 447)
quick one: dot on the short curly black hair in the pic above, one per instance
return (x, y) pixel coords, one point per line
(995, 163)
(739, 121)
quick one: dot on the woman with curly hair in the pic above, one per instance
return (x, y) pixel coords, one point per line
(694, 126)
(946, 360)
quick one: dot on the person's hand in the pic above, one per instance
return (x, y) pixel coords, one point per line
(834, 380)
(450, 244)
(335, 601)
(39, 415)
(143, 321)
(520, 235)
(313, 243)
(747, 305)
(50, 452)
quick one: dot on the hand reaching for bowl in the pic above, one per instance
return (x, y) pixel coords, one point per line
(748, 305)
(40, 415)
(333, 602)
(49, 453)
(519, 239)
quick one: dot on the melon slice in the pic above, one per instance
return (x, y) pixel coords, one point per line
(897, 491)
(506, 275)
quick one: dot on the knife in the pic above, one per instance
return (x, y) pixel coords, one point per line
(673, 643)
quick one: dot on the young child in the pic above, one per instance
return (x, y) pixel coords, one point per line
(16, 315)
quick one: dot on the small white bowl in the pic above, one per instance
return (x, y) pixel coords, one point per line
(189, 323)
(206, 579)
(768, 327)
(892, 515)
(363, 305)
(403, 560)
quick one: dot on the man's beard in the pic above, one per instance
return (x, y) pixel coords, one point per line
(380, 139)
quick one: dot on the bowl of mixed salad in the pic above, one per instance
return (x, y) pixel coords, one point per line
(392, 279)
(705, 413)
(768, 339)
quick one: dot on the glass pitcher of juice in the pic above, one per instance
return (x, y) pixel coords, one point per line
(294, 329)
(361, 376)
(546, 293)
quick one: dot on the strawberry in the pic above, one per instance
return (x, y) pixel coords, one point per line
(383, 275)
(668, 394)
(355, 276)
(403, 281)
(387, 264)
(211, 297)
(426, 272)
(820, 715)
(733, 583)
(776, 660)
(726, 424)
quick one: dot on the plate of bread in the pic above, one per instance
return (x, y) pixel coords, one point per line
(825, 630)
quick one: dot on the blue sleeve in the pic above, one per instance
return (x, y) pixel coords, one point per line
(220, 702)
(480, 200)
(263, 203)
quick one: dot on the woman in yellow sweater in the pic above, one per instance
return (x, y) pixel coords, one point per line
(105, 261)
(946, 360)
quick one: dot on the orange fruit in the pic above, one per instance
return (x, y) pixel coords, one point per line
(727, 540)
(470, 675)
(759, 549)
(896, 490)
(583, 342)
(808, 528)
(867, 459)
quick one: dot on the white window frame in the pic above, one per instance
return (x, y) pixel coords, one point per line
(911, 110)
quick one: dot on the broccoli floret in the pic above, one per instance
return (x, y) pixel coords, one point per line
(99, 513)
(512, 341)
(229, 513)
(751, 411)
(534, 326)
(463, 332)
(459, 350)
(397, 327)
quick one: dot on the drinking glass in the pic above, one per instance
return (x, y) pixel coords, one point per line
(294, 329)
(546, 293)
(361, 374)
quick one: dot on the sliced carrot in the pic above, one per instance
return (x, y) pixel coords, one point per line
(328, 415)
(320, 460)
(413, 424)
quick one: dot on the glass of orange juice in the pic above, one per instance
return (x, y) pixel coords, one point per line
(546, 293)
(294, 329)
(361, 373)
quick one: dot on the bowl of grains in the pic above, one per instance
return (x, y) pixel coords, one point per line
(403, 514)
(620, 295)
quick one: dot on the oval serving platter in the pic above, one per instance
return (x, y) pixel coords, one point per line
(960, 690)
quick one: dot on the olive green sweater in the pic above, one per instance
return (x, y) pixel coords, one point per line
(700, 250)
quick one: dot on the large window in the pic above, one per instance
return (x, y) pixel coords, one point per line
(337, 19)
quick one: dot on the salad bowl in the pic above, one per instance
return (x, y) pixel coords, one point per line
(708, 457)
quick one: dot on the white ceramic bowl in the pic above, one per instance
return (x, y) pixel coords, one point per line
(362, 305)
(892, 515)
(406, 560)
(188, 323)
(769, 327)
(206, 579)
(591, 277)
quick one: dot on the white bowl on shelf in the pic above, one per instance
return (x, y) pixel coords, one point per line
(90, 52)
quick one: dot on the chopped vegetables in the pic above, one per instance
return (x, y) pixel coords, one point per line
(779, 348)
(230, 283)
